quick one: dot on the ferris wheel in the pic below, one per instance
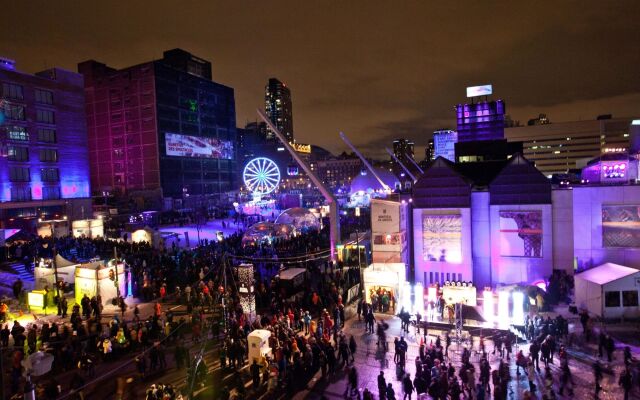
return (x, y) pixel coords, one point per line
(261, 175)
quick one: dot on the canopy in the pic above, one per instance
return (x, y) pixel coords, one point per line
(301, 218)
(291, 273)
(606, 273)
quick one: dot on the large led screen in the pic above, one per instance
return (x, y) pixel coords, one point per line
(442, 237)
(198, 146)
(621, 226)
(521, 234)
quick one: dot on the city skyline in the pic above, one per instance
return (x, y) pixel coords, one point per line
(376, 73)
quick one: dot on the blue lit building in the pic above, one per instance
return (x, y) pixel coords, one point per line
(44, 168)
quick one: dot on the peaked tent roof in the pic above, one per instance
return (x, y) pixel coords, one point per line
(520, 182)
(606, 273)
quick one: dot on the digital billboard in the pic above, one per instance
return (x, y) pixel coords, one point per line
(442, 237)
(198, 146)
(521, 233)
(483, 90)
(621, 226)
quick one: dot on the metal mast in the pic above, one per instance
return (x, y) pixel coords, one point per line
(334, 228)
(365, 162)
(401, 164)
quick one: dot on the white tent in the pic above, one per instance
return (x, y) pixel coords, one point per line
(609, 291)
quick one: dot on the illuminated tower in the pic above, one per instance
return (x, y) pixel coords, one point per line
(277, 104)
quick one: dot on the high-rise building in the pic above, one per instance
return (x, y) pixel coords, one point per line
(558, 147)
(277, 99)
(161, 128)
(44, 168)
(444, 144)
(429, 151)
(480, 121)
(403, 148)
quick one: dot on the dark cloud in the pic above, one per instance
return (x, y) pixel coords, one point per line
(375, 70)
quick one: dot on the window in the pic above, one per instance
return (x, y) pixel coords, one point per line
(630, 298)
(18, 174)
(612, 299)
(47, 135)
(13, 111)
(50, 193)
(48, 155)
(44, 96)
(45, 116)
(17, 153)
(17, 133)
(11, 91)
(22, 193)
(49, 174)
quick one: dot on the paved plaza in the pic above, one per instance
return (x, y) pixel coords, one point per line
(369, 361)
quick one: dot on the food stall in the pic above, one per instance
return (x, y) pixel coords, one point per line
(89, 228)
(96, 278)
(258, 342)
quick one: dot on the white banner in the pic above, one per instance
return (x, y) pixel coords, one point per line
(198, 146)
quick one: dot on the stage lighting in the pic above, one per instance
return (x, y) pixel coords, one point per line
(418, 302)
(518, 308)
(406, 297)
(503, 309)
(487, 305)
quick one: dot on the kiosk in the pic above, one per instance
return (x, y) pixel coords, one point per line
(258, 342)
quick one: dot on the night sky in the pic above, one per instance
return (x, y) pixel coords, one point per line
(375, 70)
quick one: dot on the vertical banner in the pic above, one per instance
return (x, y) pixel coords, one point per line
(246, 290)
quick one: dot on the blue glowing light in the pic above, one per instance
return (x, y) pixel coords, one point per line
(261, 175)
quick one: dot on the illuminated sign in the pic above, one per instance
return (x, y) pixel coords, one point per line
(198, 147)
(36, 298)
(301, 148)
(635, 122)
(484, 90)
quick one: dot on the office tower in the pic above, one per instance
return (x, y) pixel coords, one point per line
(480, 121)
(430, 151)
(277, 99)
(43, 139)
(161, 128)
(403, 148)
(444, 144)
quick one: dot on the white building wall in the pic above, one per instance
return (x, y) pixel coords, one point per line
(587, 225)
(509, 269)
(627, 283)
(480, 231)
(562, 221)
(424, 268)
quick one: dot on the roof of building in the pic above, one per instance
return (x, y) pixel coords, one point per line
(606, 273)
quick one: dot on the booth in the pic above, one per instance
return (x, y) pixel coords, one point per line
(147, 235)
(56, 228)
(35, 299)
(609, 291)
(386, 276)
(96, 278)
(89, 228)
(258, 342)
(44, 273)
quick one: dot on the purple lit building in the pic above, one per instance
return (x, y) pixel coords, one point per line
(480, 121)
(44, 168)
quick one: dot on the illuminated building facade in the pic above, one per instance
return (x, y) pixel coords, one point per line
(444, 144)
(44, 168)
(483, 120)
(403, 148)
(278, 106)
(558, 147)
(161, 128)
(340, 171)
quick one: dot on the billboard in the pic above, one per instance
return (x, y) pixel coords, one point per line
(484, 90)
(621, 226)
(385, 226)
(442, 237)
(198, 146)
(521, 233)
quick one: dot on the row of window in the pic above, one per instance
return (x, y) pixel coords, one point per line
(23, 193)
(13, 91)
(19, 153)
(16, 112)
(629, 298)
(20, 133)
(23, 174)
